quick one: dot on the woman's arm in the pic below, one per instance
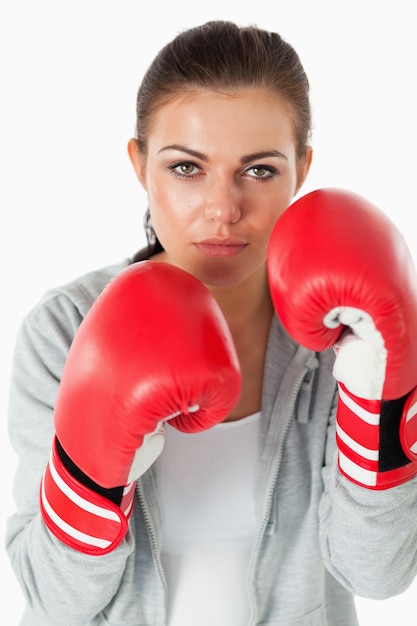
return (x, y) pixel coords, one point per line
(56, 580)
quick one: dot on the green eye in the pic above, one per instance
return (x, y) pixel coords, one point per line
(186, 168)
(261, 171)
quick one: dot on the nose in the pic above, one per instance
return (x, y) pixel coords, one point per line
(222, 203)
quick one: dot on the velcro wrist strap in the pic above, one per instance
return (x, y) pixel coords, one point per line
(368, 455)
(77, 515)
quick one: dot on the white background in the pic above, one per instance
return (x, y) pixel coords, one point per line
(69, 200)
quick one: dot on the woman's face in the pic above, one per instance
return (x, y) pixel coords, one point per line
(219, 170)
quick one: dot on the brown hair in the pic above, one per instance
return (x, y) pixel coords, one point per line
(223, 57)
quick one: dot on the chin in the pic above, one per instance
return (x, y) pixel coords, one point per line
(220, 278)
(220, 274)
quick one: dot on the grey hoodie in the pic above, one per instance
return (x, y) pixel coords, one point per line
(320, 538)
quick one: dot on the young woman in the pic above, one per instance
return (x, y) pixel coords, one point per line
(249, 519)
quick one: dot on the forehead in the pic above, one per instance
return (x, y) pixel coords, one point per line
(205, 114)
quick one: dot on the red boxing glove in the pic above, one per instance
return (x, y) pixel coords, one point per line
(341, 275)
(153, 347)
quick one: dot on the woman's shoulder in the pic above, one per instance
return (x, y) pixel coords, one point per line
(61, 308)
(83, 290)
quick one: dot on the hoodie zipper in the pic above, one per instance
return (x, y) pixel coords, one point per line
(151, 532)
(273, 471)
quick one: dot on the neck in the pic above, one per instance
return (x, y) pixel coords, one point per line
(247, 303)
(248, 310)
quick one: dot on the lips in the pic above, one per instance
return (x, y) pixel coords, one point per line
(221, 247)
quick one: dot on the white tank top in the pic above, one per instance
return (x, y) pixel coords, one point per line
(207, 490)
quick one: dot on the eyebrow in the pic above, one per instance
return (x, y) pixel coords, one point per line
(248, 158)
(262, 155)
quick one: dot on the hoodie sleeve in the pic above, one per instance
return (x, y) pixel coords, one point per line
(55, 579)
(368, 537)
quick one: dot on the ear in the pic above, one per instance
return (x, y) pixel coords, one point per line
(138, 161)
(303, 167)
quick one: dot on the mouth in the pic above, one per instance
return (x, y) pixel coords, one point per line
(221, 247)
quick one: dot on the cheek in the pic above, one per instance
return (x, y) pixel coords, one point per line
(159, 204)
(169, 206)
(269, 212)
(170, 218)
